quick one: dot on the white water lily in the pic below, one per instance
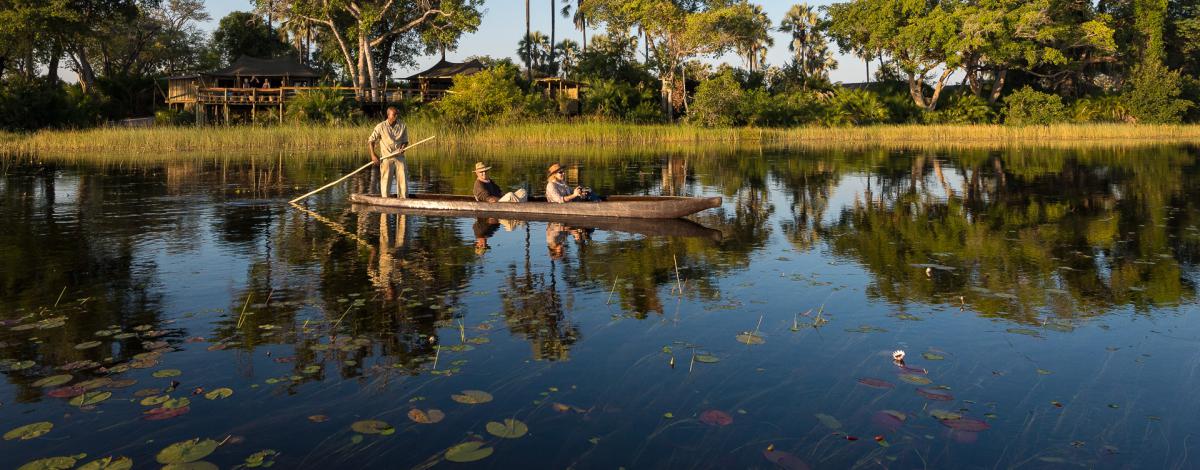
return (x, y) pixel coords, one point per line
(898, 355)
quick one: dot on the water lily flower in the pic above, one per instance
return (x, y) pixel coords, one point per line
(898, 355)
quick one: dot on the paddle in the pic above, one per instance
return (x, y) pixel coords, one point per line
(361, 168)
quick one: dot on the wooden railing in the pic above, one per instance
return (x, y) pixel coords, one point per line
(274, 96)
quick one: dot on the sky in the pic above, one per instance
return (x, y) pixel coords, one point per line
(504, 24)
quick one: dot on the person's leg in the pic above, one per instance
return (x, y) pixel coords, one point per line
(385, 172)
(401, 178)
(522, 196)
(510, 197)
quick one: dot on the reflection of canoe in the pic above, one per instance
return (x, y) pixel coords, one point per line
(648, 227)
(627, 207)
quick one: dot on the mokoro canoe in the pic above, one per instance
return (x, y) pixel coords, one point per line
(648, 227)
(630, 207)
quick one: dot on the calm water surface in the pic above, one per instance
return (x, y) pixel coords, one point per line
(1046, 301)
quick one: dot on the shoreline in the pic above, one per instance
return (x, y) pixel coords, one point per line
(352, 138)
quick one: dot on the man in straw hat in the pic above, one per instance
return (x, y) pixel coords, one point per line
(392, 137)
(557, 190)
(487, 190)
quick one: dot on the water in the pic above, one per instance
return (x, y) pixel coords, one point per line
(1045, 301)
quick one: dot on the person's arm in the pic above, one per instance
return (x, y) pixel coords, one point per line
(371, 141)
(403, 137)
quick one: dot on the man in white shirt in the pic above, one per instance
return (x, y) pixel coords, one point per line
(557, 190)
(392, 137)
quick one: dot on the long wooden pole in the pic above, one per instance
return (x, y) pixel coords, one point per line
(355, 172)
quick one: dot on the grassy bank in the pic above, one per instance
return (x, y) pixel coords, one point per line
(535, 135)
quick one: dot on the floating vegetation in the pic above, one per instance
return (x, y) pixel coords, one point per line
(468, 452)
(508, 429)
(472, 397)
(29, 431)
(372, 426)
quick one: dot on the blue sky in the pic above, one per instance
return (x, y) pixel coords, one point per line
(504, 24)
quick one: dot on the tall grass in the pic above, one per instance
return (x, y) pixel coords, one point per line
(352, 137)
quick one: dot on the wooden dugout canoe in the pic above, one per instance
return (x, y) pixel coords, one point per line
(628, 207)
(648, 227)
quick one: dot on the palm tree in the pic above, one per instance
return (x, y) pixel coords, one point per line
(534, 49)
(578, 19)
(755, 38)
(568, 52)
(553, 10)
(810, 50)
(528, 44)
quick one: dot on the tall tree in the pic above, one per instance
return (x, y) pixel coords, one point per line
(553, 52)
(528, 45)
(366, 30)
(677, 30)
(810, 49)
(751, 27)
(578, 19)
(242, 33)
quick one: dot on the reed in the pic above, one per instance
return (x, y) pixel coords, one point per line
(352, 138)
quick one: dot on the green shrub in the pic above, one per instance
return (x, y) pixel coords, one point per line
(488, 97)
(1102, 108)
(321, 105)
(610, 98)
(173, 117)
(1027, 107)
(1153, 95)
(962, 108)
(856, 107)
(717, 102)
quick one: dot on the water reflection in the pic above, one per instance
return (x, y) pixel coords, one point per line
(109, 274)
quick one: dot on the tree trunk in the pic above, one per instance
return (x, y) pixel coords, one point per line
(553, 59)
(868, 64)
(52, 67)
(528, 46)
(998, 85)
(937, 89)
(583, 21)
(83, 68)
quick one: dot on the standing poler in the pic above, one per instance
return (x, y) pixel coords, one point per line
(392, 137)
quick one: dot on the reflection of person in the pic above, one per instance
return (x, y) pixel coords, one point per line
(484, 229)
(392, 137)
(384, 276)
(556, 234)
(486, 190)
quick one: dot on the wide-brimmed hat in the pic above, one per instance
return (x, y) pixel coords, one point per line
(480, 166)
(555, 168)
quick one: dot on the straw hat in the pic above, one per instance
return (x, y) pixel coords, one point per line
(555, 168)
(479, 166)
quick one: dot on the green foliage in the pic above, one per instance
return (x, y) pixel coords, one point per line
(1027, 107)
(614, 99)
(173, 117)
(852, 106)
(488, 97)
(1154, 93)
(28, 104)
(242, 33)
(321, 105)
(1100, 108)
(962, 108)
(717, 102)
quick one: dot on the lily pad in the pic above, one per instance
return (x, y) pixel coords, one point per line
(1022, 331)
(372, 426)
(262, 458)
(890, 420)
(716, 418)
(876, 383)
(165, 373)
(186, 451)
(52, 463)
(785, 460)
(87, 345)
(430, 416)
(915, 379)
(155, 400)
(218, 394)
(472, 397)
(829, 421)
(966, 424)
(109, 463)
(468, 452)
(509, 429)
(66, 392)
(932, 356)
(707, 358)
(21, 365)
(90, 398)
(935, 394)
(53, 380)
(944, 414)
(161, 413)
(750, 338)
(94, 383)
(312, 369)
(29, 431)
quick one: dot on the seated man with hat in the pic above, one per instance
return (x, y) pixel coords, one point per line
(487, 190)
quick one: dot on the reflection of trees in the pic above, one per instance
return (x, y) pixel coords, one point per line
(1097, 229)
(533, 307)
(75, 237)
(810, 181)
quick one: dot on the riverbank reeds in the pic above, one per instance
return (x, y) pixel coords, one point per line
(352, 138)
